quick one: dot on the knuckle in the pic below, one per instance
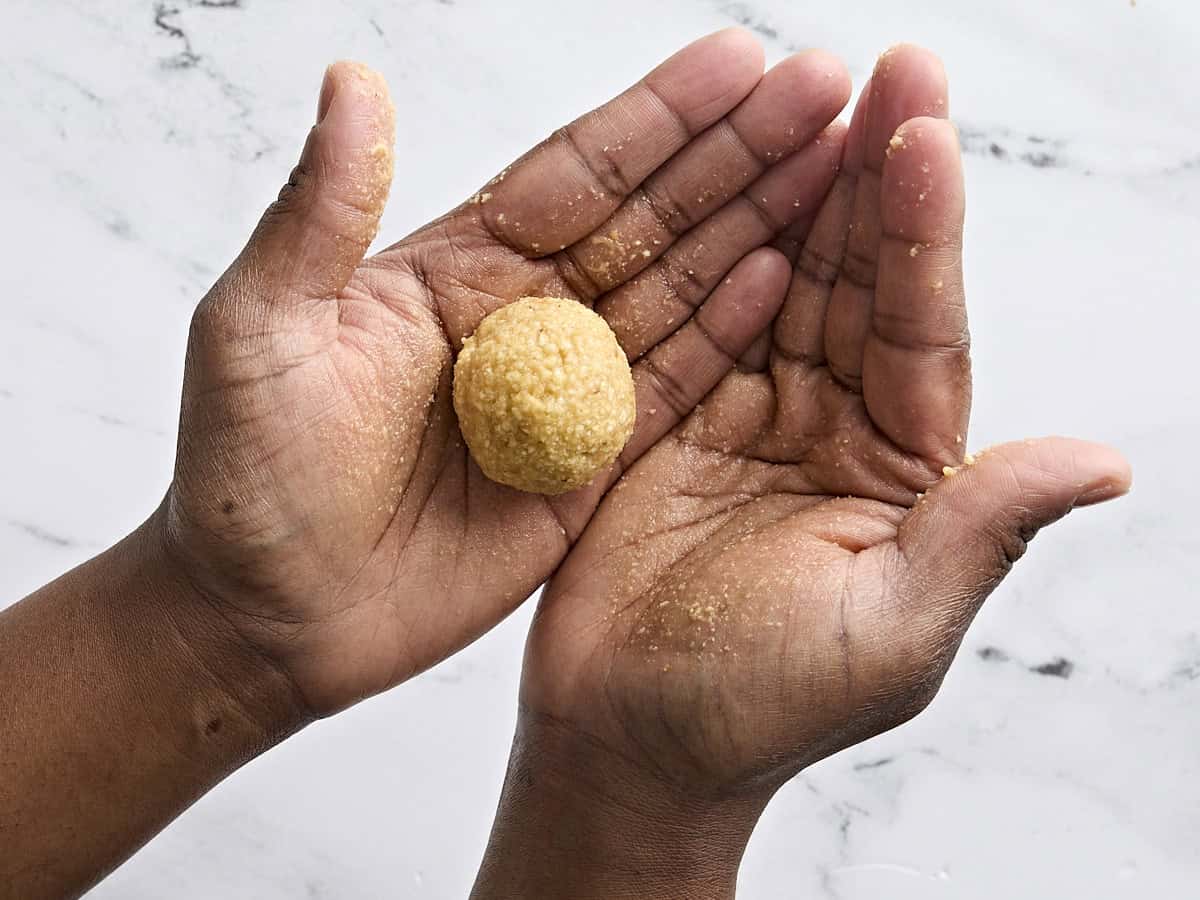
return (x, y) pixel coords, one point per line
(859, 268)
(296, 187)
(576, 275)
(681, 286)
(599, 164)
(667, 386)
(666, 210)
(818, 267)
(1011, 545)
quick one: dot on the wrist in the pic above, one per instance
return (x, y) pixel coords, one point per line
(235, 683)
(130, 700)
(577, 820)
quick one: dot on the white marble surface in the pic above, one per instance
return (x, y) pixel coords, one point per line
(142, 139)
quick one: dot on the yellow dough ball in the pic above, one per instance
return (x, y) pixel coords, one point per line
(544, 395)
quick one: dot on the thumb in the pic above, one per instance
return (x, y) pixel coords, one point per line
(310, 240)
(962, 538)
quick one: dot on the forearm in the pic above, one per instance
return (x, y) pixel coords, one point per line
(575, 822)
(123, 698)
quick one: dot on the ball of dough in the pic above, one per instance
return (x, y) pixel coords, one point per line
(544, 395)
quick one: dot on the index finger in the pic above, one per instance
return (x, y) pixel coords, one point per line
(565, 187)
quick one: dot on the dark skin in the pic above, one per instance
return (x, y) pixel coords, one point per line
(323, 494)
(791, 570)
(327, 536)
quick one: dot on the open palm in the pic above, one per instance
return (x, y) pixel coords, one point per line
(790, 571)
(324, 498)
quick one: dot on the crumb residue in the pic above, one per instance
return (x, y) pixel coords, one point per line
(608, 253)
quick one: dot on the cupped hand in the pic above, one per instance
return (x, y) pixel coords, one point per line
(791, 570)
(323, 499)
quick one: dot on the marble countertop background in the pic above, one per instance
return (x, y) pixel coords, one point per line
(142, 140)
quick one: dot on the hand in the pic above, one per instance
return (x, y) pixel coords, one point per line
(323, 498)
(791, 571)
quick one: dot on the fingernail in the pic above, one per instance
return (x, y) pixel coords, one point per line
(328, 89)
(1099, 493)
